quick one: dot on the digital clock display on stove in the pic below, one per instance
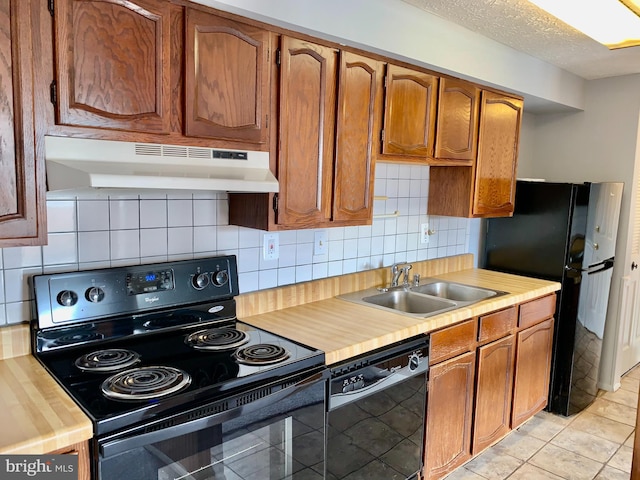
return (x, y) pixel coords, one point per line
(147, 282)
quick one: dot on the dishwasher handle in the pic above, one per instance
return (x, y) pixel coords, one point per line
(337, 400)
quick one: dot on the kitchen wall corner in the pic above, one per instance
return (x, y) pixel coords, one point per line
(97, 230)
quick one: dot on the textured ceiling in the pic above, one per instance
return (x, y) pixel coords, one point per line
(524, 27)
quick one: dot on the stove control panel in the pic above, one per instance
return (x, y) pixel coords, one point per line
(73, 297)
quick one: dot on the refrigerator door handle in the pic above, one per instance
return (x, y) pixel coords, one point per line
(596, 268)
(600, 267)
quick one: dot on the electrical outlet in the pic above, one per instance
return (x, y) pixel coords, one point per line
(424, 233)
(271, 249)
(320, 243)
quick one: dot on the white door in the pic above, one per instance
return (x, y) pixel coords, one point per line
(629, 306)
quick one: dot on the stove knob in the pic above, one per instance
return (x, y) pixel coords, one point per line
(67, 298)
(220, 278)
(94, 294)
(200, 281)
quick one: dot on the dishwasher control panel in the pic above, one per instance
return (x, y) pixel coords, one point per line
(383, 367)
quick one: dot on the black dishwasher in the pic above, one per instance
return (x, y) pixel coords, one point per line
(377, 414)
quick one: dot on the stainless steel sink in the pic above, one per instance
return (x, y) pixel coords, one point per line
(456, 291)
(422, 300)
(409, 302)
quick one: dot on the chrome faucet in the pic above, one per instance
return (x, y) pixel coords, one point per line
(398, 269)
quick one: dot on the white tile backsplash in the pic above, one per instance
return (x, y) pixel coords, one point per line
(180, 241)
(93, 246)
(61, 216)
(20, 257)
(125, 244)
(61, 248)
(124, 214)
(153, 213)
(92, 215)
(102, 230)
(180, 213)
(153, 242)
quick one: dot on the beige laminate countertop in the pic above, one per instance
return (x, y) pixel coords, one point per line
(36, 415)
(344, 329)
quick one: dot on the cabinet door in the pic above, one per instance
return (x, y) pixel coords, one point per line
(409, 112)
(494, 388)
(449, 414)
(307, 133)
(84, 462)
(359, 103)
(532, 370)
(495, 175)
(22, 219)
(457, 128)
(113, 64)
(226, 78)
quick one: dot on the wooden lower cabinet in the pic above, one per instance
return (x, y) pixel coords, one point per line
(497, 379)
(494, 382)
(449, 415)
(82, 451)
(533, 367)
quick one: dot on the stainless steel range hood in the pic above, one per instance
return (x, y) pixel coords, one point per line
(79, 163)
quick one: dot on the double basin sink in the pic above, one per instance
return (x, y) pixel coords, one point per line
(422, 300)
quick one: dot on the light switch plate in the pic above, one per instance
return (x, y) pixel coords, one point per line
(320, 243)
(271, 249)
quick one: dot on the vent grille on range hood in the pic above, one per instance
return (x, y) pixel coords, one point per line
(79, 163)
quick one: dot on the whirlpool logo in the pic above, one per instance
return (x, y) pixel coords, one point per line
(151, 299)
(50, 467)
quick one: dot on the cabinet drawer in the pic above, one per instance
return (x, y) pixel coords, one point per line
(452, 341)
(536, 311)
(497, 324)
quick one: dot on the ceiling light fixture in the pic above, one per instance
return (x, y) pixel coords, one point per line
(614, 23)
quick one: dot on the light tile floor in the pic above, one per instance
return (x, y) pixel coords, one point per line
(596, 443)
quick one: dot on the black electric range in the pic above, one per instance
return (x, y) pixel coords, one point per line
(132, 345)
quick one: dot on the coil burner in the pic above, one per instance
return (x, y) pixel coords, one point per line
(217, 339)
(261, 354)
(145, 383)
(108, 360)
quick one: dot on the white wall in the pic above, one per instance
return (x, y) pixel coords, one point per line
(402, 31)
(598, 144)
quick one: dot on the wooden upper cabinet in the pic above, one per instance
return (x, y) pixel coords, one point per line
(113, 64)
(495, 184)
(487, 187)
(226, 78)
(409, 113)
(457, 121)
(306, 132)
(359, 105)
(22, 196)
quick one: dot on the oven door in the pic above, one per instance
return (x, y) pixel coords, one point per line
(272, 432)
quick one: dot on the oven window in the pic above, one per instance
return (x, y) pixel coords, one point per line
(281, 441)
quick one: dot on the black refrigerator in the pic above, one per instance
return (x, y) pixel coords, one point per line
(565, 232)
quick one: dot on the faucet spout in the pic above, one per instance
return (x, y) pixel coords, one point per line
(398, 269)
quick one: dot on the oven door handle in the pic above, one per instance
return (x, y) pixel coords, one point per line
(134, 439)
